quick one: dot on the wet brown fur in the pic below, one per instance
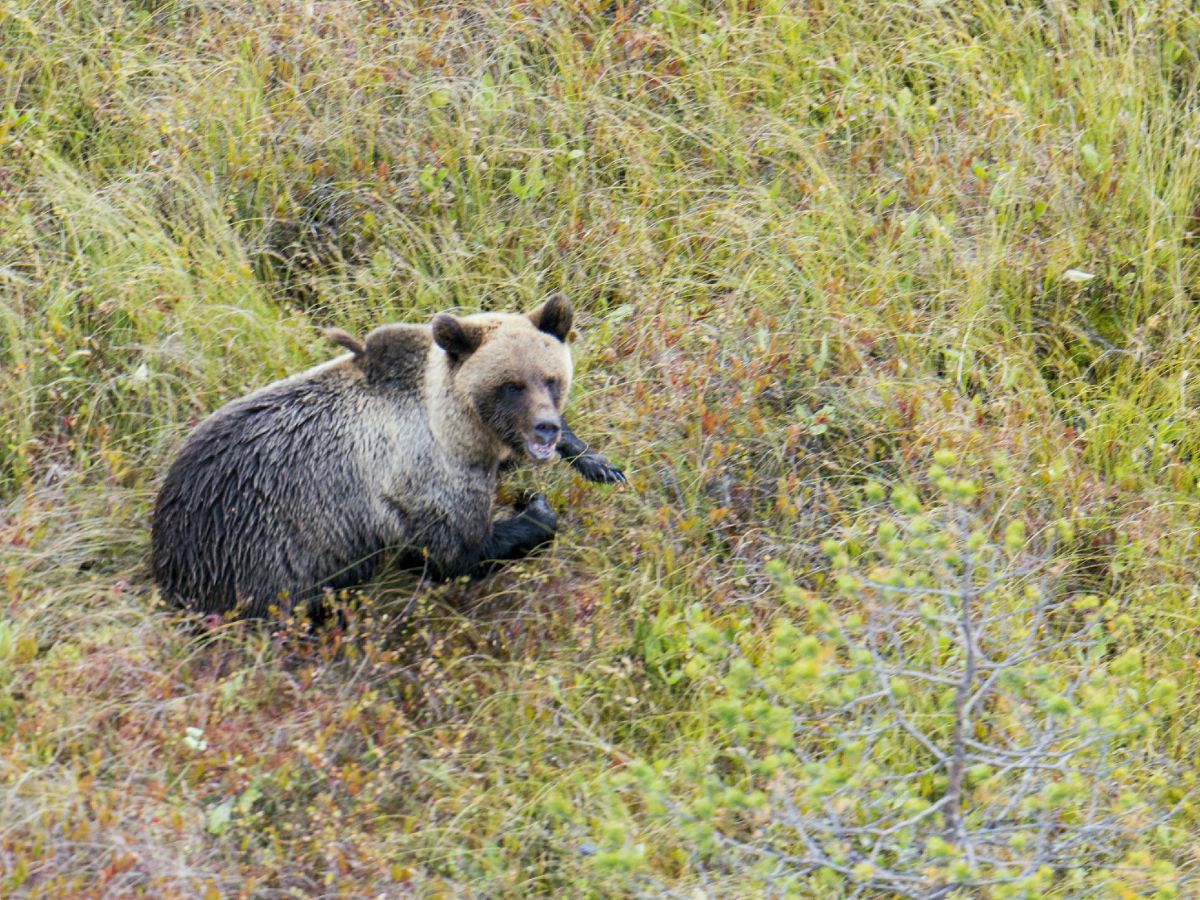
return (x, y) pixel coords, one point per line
(301, 486)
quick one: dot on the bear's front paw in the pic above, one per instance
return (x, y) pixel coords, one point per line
(538, 511)
(595, 467)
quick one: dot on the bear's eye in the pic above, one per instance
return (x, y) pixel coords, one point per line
(512, 387)
(552, 384)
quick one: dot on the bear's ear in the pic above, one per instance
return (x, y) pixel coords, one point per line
(455, 336)
(554, 316)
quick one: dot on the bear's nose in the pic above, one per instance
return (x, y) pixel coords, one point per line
(546, 430)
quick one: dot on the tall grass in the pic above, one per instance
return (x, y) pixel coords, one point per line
(809, 244)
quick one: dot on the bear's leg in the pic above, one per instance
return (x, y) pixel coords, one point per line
(511, 538)
(583, 460)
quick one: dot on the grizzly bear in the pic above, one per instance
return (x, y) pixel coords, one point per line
(301, 486)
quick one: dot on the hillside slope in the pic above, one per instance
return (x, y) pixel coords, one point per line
(888, 310)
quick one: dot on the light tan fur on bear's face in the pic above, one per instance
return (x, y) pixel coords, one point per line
(513, 372)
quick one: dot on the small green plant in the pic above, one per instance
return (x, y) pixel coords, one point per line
(945, 714)
(528, 184)
(193, 739)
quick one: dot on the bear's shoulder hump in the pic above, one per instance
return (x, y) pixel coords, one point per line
(397, 354)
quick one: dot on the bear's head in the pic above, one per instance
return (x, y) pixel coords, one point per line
(513, 370)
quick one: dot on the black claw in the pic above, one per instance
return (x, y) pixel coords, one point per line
(595, 467)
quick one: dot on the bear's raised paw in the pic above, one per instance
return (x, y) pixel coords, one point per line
(597, 468)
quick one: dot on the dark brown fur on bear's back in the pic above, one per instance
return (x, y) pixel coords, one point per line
(263, 503)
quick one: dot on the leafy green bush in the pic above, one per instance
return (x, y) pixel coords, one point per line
(944, 714)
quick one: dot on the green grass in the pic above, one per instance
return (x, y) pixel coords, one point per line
(808, 244)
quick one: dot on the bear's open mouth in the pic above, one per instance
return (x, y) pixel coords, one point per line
(539, 450)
